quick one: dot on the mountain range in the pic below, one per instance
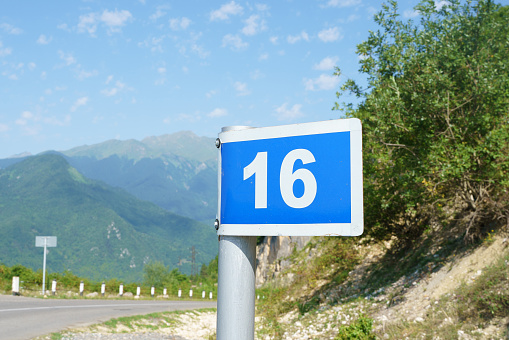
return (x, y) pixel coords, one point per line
(178, 172)
(114, 206)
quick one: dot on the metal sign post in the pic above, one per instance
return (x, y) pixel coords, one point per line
(292, 180)
(45, 241)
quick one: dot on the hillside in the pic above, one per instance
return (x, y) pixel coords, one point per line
(178, 172)
(102, 232)
(357, 288)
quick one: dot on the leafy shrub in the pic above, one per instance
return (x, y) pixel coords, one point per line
(360, 329)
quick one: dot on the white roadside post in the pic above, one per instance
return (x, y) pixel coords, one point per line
(191, 293)
(121, 289)
(203, 294)
(45, 241)
(289, 180)
(54, 287)
(152, 291)
(103, 288)
(180, 293)
(138, 291)
(15, 285)
(82, 288)
(210, 295)
(165, 292)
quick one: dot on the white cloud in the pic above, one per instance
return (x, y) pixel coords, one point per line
(7, 28)
(162, 72)
(285, 113)
(158, 14)
(88, 23)
(189, 117)
(410, 13)
(241, 88)
(63, 27)
(234, 42)
(155, 44)
(67, 58)
(4, 51)
(331, 34)
(179, 23)
(218, 112)
(263, 56)
(254, 25)
(353, 17)
(323, 82)
(83, 74)
(79, 102)
(327, 63)
(441, 3)
(109, 79)
(43, 40)
(4, 127)
(55, 121)
(224, 12)
(119, 86)
(26, 116)
(292, 39)
(32, 66)
(210, 93)
(115, 20)
(342, 3)
(274, 40)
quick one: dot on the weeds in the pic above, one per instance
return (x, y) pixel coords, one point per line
(360, 329)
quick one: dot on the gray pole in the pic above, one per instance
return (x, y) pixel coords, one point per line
(236, 288)
(44, 269)
(236, 283)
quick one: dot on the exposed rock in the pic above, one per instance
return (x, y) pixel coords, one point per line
(272, 254)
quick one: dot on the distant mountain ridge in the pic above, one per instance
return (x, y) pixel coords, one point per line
(102, 232)
(184, 144)
(177, 171)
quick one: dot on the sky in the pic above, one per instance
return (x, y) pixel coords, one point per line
(83, 72)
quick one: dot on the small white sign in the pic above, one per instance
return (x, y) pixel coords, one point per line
(48, 241)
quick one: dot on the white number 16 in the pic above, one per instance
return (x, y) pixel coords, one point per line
(287, 178)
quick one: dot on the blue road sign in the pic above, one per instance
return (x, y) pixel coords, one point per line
(303, 179)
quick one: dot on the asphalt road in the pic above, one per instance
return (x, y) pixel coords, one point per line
(25, 318)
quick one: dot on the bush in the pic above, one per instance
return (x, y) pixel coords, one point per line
(358, 330)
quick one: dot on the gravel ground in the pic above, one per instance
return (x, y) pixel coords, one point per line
(192, 325)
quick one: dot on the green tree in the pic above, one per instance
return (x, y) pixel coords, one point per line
(155, 274)
(435, 116)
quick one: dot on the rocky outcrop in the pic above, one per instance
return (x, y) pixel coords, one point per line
(272, 254)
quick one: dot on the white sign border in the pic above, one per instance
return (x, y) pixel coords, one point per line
(355, 228)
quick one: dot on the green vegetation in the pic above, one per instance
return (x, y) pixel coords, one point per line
(158, 275)
(435, 114)
(155, 274)
(435, 117)
(102, 232)
(178, 172)
(360, 329)
(334, 258)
